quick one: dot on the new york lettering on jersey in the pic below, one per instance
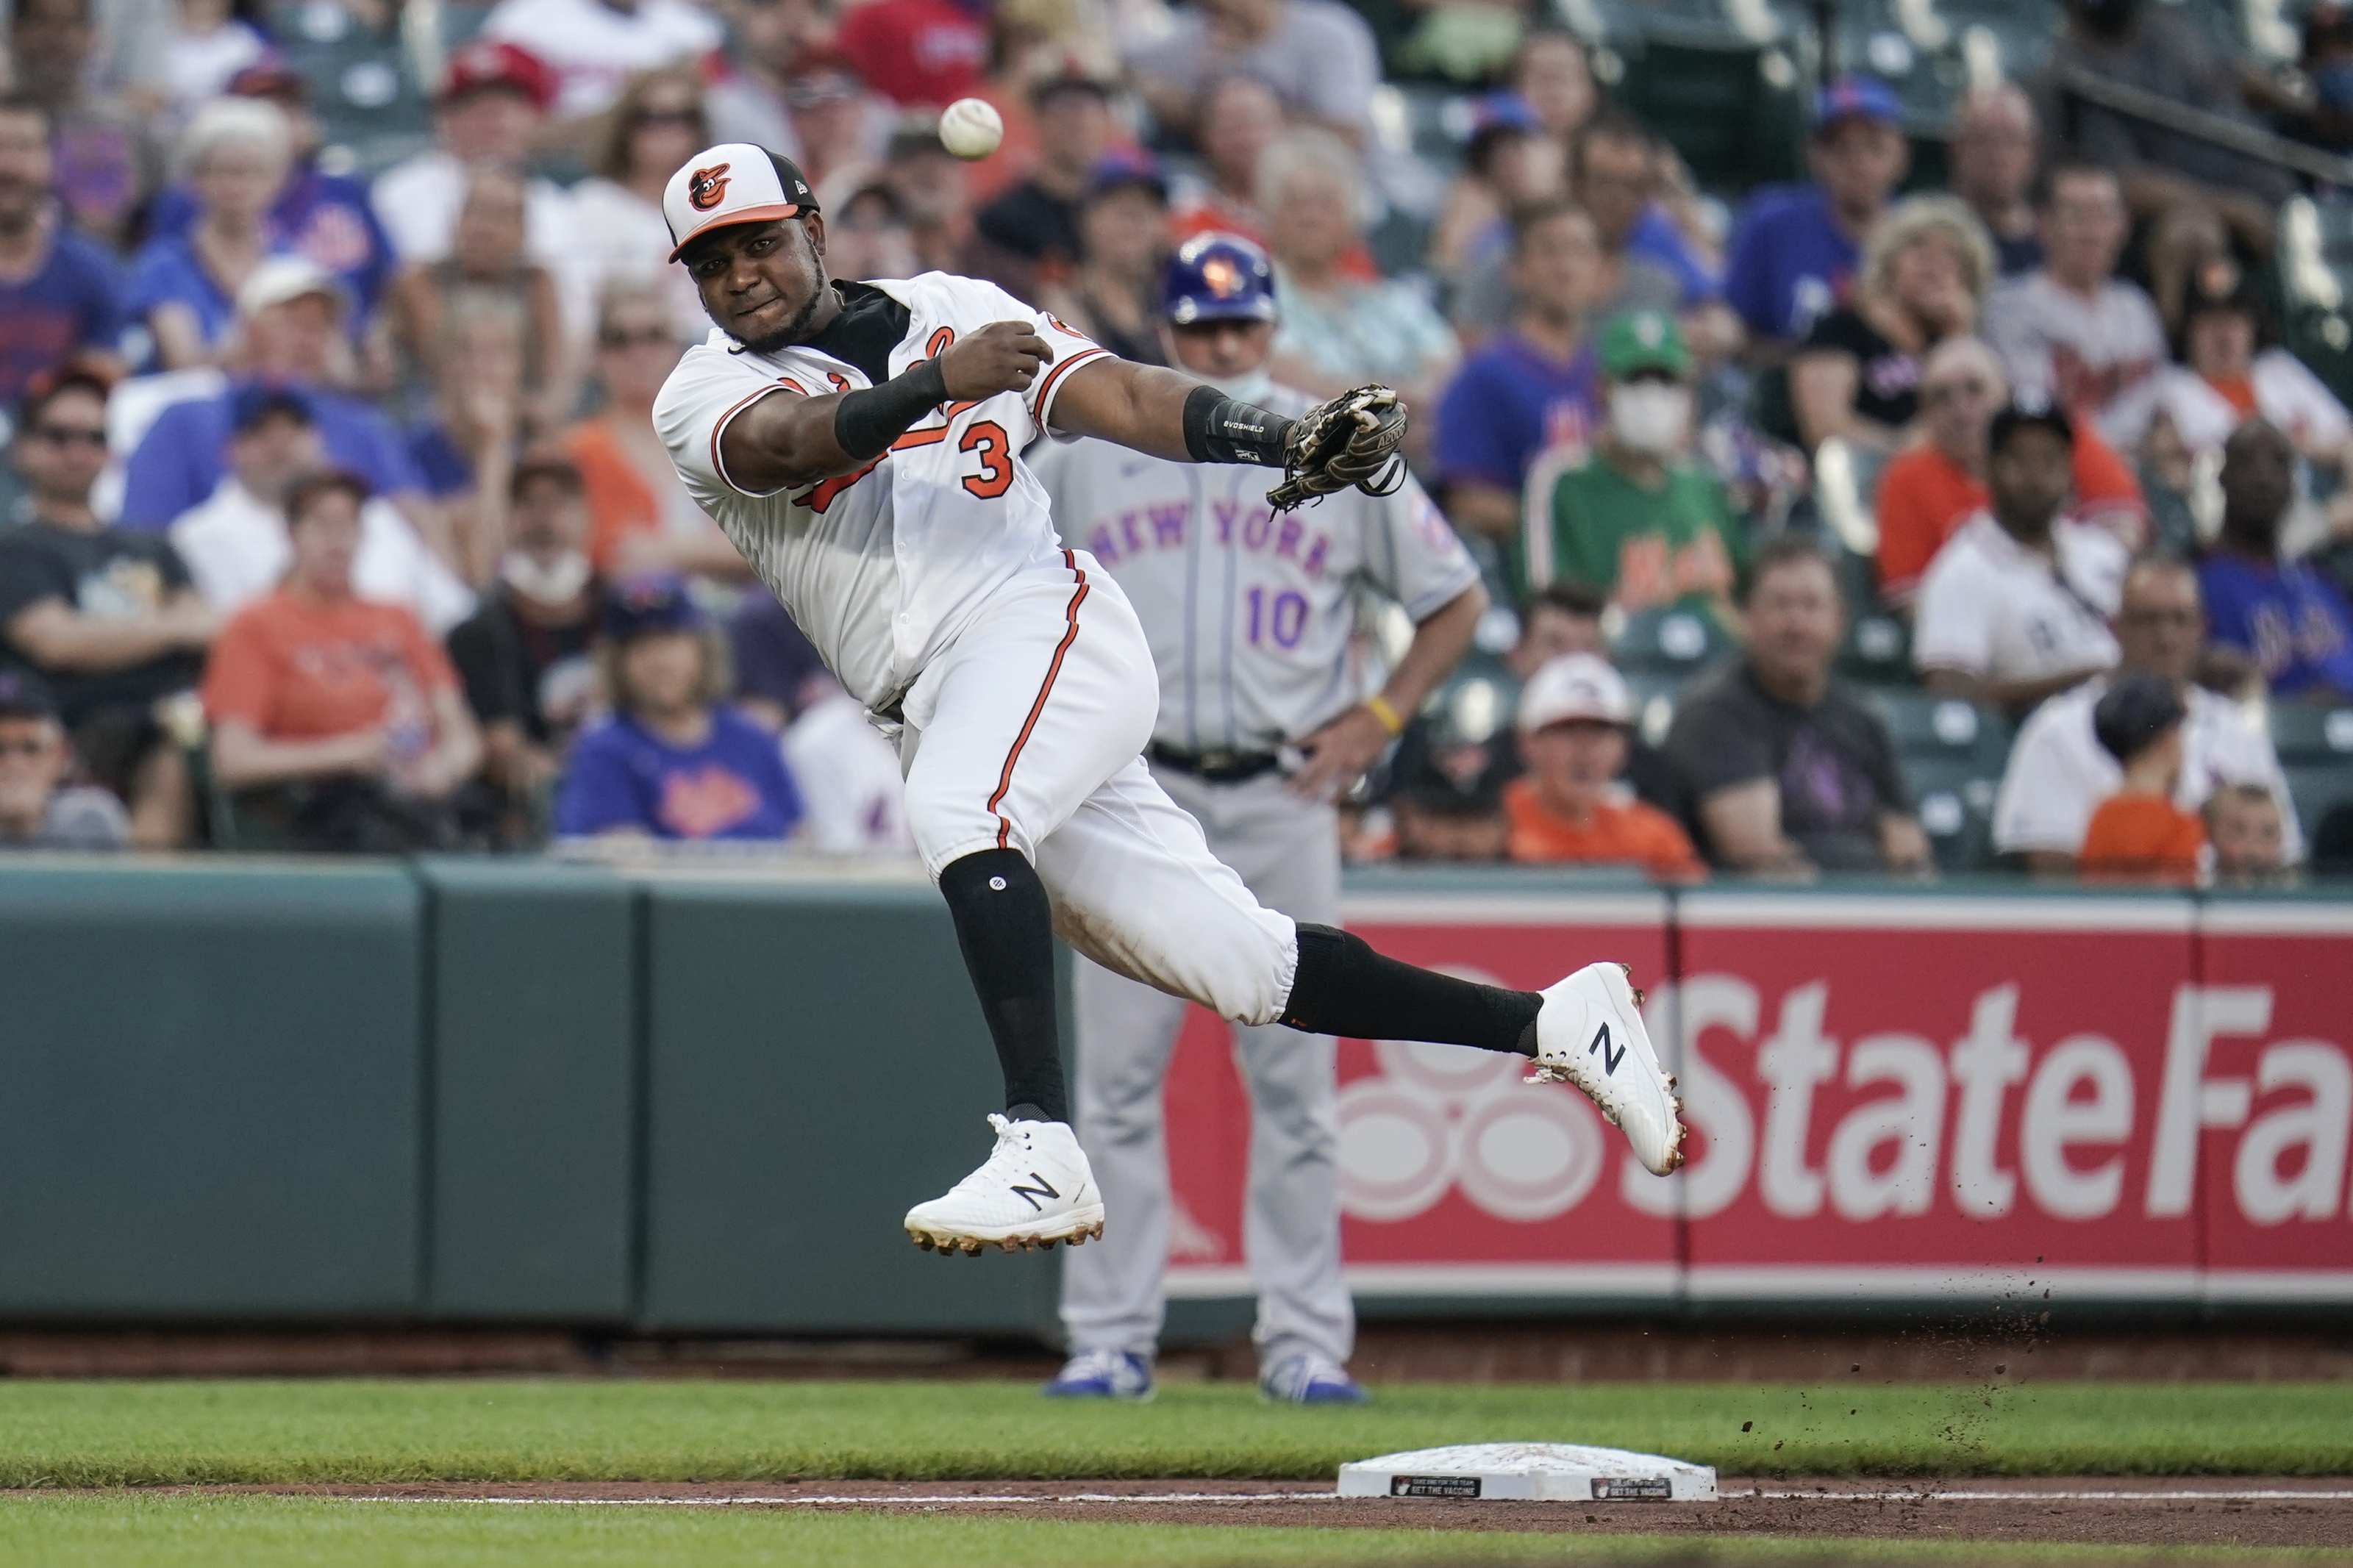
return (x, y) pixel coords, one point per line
(882, 566)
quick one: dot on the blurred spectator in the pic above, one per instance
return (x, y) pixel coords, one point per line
(60, 296)
(594, 46)
(2196, 196)
(1530, 390)
(1925, 270)
(1789, 771)
(1574, 717)
(837, 122)
(235, 545)
(641, 519)
(39, 810)
(619, 238)
(1928, 490)
(107, 618)
(1636, 518)
(234, 156)
(493, 99)
(1115, 297)
(923, 54)
(290, 334)
(1457, 825)
(777, 670)
(2223, 379)
(1028, 237)
(1317, 55)
(1794, 251)
(1510, 162)
(2293, 622)
(930, 185)
(328, 218)
(1616, 164)
(2248, 833)
(2138, 832)
(1556, 619)
(527, 657)
(847, 775)
(672, 762)
(2071, 331)
(866, 233)
(1240, 118)
(488, 270)
(1339, 332)
(209, 41)
(1553, 77)
(769, 42)
(108, 158)
(2326, 62)
(337, 721)
(2015, 607)
(2058, 771)
(1993, 141)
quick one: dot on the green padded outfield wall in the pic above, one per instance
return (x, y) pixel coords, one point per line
(534, 1102)
(816, 1065)
(209, 1082)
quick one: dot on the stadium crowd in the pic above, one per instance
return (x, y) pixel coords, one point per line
(336, 520)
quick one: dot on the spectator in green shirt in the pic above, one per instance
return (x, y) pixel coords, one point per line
(1635, 517)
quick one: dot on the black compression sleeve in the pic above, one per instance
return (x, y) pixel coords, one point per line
(1220, 430)
(865, 422)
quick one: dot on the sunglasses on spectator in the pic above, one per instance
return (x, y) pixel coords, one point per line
(70, 435)
(644, 337)
(1945, 391)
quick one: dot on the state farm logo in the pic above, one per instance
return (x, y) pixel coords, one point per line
(706, 187)
(1445, 1118)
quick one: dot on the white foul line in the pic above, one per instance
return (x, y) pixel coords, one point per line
(902, 1499)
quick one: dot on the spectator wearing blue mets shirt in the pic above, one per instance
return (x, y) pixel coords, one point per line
(673, 761)
(1795, 252)
(60, 297)
(2287, 619)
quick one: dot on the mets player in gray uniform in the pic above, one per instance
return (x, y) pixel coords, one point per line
(1263, 718)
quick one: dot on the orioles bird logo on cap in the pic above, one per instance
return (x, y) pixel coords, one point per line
(705, 187)
(1222, 276)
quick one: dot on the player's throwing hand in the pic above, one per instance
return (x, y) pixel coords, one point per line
(1003, 356)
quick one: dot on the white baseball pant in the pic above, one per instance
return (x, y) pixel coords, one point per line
(1026, 734)
(1287, 851)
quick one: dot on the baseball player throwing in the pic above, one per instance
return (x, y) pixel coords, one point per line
(860, 443)
(1249, 614)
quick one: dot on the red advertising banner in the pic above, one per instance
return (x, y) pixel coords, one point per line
(1908, 1097)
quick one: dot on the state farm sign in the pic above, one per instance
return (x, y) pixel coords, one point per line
(1910, 1097)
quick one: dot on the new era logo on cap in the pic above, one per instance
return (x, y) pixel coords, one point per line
(733, 183)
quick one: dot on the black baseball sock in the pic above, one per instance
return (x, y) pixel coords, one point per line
(1006, 928)
(1343, 987)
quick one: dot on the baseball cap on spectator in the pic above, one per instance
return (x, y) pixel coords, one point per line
(271, 79)
(1217, 278)
(730, 183)
(492, 65)
(1575, 686)
(2021, 412)
(1495, 115)
(1636, 341)
(1856, 98)
(1071, 76)
(819, 83)
(2218, 286)
(2134, 712)
(280, 280)
(252, 406)
(24, 695)
(644, 606)
(1120, 170)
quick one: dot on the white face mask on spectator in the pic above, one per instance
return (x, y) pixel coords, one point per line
(1651, 416)
(1250, 386)
(558, 582)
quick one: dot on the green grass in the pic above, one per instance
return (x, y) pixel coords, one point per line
(56, 1434)
(137, 1531)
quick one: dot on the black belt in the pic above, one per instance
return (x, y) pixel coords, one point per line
(1216, 767)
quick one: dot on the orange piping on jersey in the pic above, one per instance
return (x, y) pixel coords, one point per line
(1053, 671)
(1037, 397)
(782, 384)
(930, 436)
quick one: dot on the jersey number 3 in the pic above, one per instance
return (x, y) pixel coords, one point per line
(988, 438)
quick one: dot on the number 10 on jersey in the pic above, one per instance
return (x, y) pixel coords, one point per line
(1282, 620)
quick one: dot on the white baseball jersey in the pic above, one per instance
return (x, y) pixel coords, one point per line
(1249, 614)
(883, 567)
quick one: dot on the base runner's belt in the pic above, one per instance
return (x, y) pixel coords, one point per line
(1215, 767)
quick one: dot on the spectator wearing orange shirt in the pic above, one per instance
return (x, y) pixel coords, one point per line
(2138, 832)
(1572, 718)
(348, 708)
(1930, 490)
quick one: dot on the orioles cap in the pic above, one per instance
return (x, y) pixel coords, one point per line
(733, 183)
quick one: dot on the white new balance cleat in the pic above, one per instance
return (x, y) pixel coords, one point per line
(1035, 1190)
(1590, 1033)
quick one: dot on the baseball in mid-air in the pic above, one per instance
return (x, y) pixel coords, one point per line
(969, 128)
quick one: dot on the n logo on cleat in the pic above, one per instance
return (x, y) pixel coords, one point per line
(1043, 1189)
(1611, 1052)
